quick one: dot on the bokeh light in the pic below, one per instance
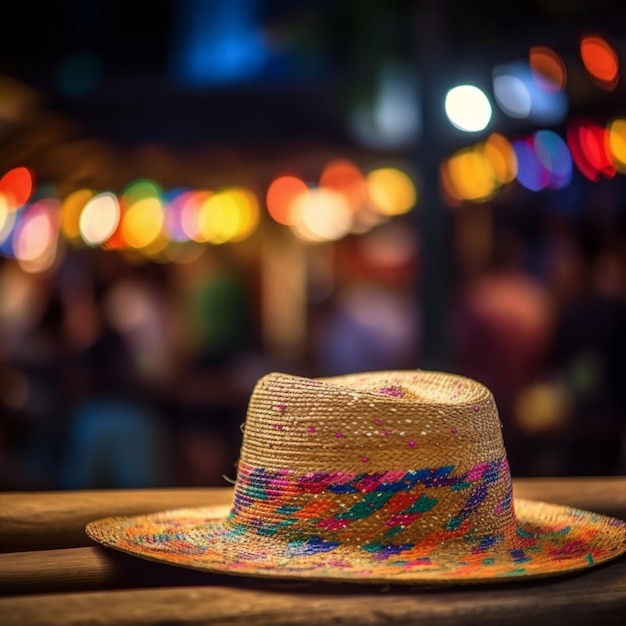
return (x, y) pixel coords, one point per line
(520, 95)
(17, 186)
(36, 236)
(617, 143)
(468, 175)
(174, 202)
(589, 144)
(468, 108)
(99, 218)
(281, 195)
(7, 219)
(600, 60)
(228, 215)
(321, 215)
(531, 172)
(391, 191)
(553, 154)
(71, 209)
(500, 154)
(512, 95)
(347, 179)
(190, 213)
(142, 223)
(547, 68)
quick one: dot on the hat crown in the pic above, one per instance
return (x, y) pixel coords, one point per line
(378, 459)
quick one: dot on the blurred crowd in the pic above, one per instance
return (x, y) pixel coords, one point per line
(123, 374)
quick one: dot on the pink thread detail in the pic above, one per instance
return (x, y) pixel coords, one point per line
(311, 429)
(396, 392)
(364, 459)
(378, 421)
(476, 409)
(281, 407)
(411, 444)
(453, 431)
(338, 434)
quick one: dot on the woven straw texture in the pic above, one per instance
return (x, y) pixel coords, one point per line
(373, 477)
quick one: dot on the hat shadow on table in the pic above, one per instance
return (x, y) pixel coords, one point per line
(376, 477)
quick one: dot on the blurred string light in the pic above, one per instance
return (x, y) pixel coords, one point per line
(16, 186)
(35, 239)
(617, 143)
(99, 218)
(468, 108)
(600, 61)
(548, 68)
(544, 161)
(281, 195)
(477, 172)
(520, 95)
(7, 219)
(345, 200)
(144, 221)
(391, 191)
(590, 147)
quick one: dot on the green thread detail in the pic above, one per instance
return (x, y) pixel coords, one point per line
(372, 502)
(461, 486)
(421, 505)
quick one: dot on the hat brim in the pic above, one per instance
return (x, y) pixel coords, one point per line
(550, 540)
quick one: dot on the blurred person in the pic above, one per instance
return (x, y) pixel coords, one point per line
(589, 354)
(501, 327)
(367, 326)
(115, 436)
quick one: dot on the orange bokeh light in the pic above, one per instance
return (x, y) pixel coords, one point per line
(600, 60)
(281, 195)
(348, 180)
(547, 67)
(17, 186)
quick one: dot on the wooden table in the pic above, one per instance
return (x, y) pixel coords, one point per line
(51, 573)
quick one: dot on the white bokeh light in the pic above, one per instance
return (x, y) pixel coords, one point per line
(468, 108)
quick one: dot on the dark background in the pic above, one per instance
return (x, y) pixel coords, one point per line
(207, 93)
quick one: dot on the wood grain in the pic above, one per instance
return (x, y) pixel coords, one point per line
(595, 597)
(48, 520)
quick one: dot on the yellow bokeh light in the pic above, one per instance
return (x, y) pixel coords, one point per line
(501, 156)
(71, 209)
(391, 191)
(143, 223)
(249, 212)
(99, 218)
(617, 143)
(218, 218)
(229, 215)
(469, 175)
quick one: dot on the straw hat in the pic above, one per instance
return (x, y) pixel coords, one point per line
(394, 477)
